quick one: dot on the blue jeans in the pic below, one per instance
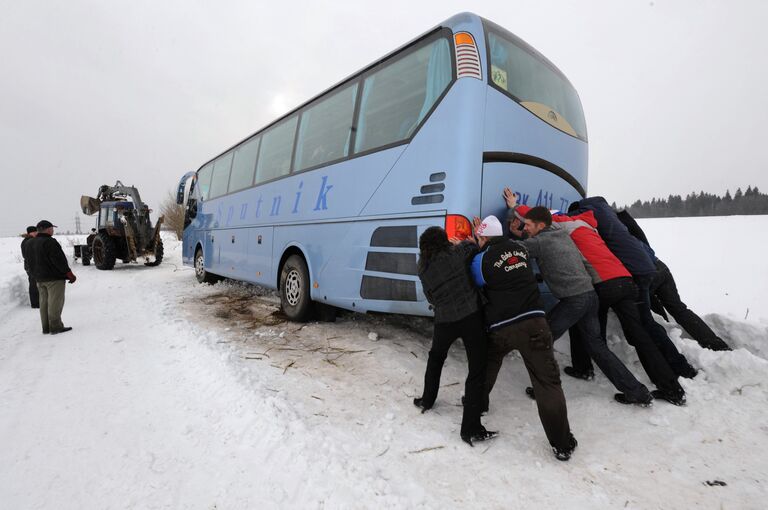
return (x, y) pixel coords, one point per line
(581, 311)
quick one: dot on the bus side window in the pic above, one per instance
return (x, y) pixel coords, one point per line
(397, 97)
(220, 178)
(204, 180)
(276, 150)
(244, 165)
(325, 128)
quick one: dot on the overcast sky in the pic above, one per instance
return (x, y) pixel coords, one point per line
(675, 92)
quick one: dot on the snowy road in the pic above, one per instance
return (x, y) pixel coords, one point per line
(172, 395)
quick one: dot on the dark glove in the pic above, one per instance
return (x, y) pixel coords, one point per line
(71, 277)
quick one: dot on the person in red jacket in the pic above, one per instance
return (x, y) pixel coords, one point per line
(616, 290)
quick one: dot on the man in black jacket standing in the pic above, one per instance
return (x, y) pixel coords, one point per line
(34, 296)
(515, 319)
(49, 267)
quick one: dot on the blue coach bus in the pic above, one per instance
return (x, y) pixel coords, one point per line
(327, 203)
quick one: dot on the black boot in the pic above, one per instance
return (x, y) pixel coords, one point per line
(480, 435)
(419, 402)
(623, 398)
(565, 453)
(587, 375)
(673, 397)
(530, 393)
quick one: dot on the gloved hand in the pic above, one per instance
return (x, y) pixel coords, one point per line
(71, 277)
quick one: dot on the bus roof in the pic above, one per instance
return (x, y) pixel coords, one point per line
(460, 18)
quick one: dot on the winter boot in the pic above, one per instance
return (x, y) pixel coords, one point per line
(419, 402)
(578, 374)
(480, 435)
(565, 453)
(623, 398)
(530, 393)
(673, 397)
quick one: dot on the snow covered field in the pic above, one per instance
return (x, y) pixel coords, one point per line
(168, 394)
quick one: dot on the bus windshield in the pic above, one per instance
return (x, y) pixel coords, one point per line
(529, 79)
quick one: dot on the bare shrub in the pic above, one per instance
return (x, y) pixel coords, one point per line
(173, 213)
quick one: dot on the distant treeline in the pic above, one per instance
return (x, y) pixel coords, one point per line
(751, 201)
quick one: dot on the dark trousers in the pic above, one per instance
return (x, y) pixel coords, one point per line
(659, 335)
(581, 313)
(471, 329)
(619, 294)
(534, 341)
(34, 294)
(663, 287)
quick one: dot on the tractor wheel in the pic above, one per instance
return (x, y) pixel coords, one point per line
(202, 275)
(103, 251)
(294, 289)
(158, 254)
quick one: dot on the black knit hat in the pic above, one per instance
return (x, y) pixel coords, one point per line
(31, 229)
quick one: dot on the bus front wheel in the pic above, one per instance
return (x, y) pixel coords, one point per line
(294, 289)
(201, 274)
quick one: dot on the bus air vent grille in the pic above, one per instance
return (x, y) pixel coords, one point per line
(467, 58)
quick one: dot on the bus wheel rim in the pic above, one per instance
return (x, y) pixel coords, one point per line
(199, 269)
(293, 288)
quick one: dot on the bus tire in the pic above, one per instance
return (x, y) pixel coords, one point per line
(202, 275)
(294, 289)
(103, 252)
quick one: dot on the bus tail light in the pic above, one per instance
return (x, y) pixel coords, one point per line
(467, 58)
(458, 226)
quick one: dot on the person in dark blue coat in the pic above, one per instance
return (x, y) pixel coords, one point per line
(637, 258)
(664, 296)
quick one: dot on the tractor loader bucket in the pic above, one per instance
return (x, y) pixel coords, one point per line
(89, 205)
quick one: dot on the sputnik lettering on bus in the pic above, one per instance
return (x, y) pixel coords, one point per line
(321, 203)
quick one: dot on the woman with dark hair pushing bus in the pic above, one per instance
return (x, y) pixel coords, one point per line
(444, 273)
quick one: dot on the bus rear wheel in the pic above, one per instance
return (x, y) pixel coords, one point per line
(201, 274)
(294, 289)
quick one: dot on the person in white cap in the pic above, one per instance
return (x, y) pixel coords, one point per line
(515, 318)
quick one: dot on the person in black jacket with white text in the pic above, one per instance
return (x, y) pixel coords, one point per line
(444, 273)
(515, 318)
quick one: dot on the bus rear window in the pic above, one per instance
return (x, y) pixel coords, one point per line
(534, 83)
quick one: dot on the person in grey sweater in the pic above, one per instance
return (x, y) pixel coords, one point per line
(565, 271)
